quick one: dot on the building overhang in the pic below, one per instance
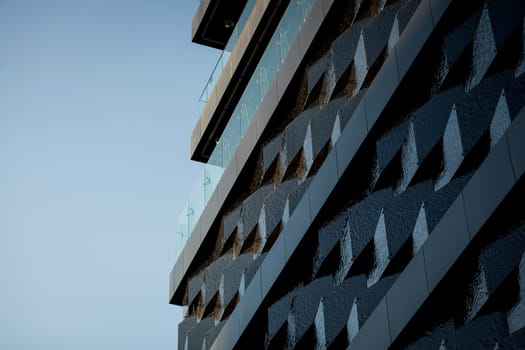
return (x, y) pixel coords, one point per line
(214, 21)
(236, 73)
(200, 242)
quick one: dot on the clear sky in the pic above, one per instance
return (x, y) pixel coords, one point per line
(97, 102)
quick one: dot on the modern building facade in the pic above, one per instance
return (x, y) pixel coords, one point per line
(363, 181)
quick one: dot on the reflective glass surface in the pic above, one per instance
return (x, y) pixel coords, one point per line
(225, 54)
(256, 89)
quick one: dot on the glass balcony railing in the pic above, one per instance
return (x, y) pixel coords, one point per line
(256, 89)
(225, 54)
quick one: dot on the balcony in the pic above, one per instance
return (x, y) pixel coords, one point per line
(223, 58)
(255, 91)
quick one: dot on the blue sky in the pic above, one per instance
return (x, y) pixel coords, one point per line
(97, 102)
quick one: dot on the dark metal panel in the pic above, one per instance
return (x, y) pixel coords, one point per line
(229, 334)
(407, 294)
(272, 264)
(297, 224)
(516, 140)
(381, 89)
(376, 334)
(323, 183)
(351, 137)
(414, 36)
(438, 8)
(250, 301)
(446, 242)
(488, 186)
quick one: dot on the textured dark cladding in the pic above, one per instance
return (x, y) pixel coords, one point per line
(405, 14)
(355, 51)
(295, 134)
(472, 306)
(315, 72)
(390, 144)
(198, 333)
(302, 305)
(271, 151)
(377, 32)
(329, 236)
(274, 205)
(348, 109)
(230, 222)
(338, 304)
(289, 144)
(233, 274)
(305, 303)
(209, 282)
(505, 19)
(251, 269)
(371, 296)
(194, 285)
(439, 202)
(449, 111)
(363, 218)
(296, 195)
(212, 334)
(184, 328)
(251, 208)
(475, 336)
(278, 315)
(483, 332)
(495, 27)
(475, 111)
(244, 218)
(344, 47)
(486, 330)
(457, 41)
(322, 128)
(430, 120)
(501, 257)
(213, 277)
(401, 215)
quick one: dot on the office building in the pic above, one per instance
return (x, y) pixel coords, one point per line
(362, 180)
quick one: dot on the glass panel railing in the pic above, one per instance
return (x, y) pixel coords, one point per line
(223, 58)
(214, 77)
(248, 104)
(183, 230)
